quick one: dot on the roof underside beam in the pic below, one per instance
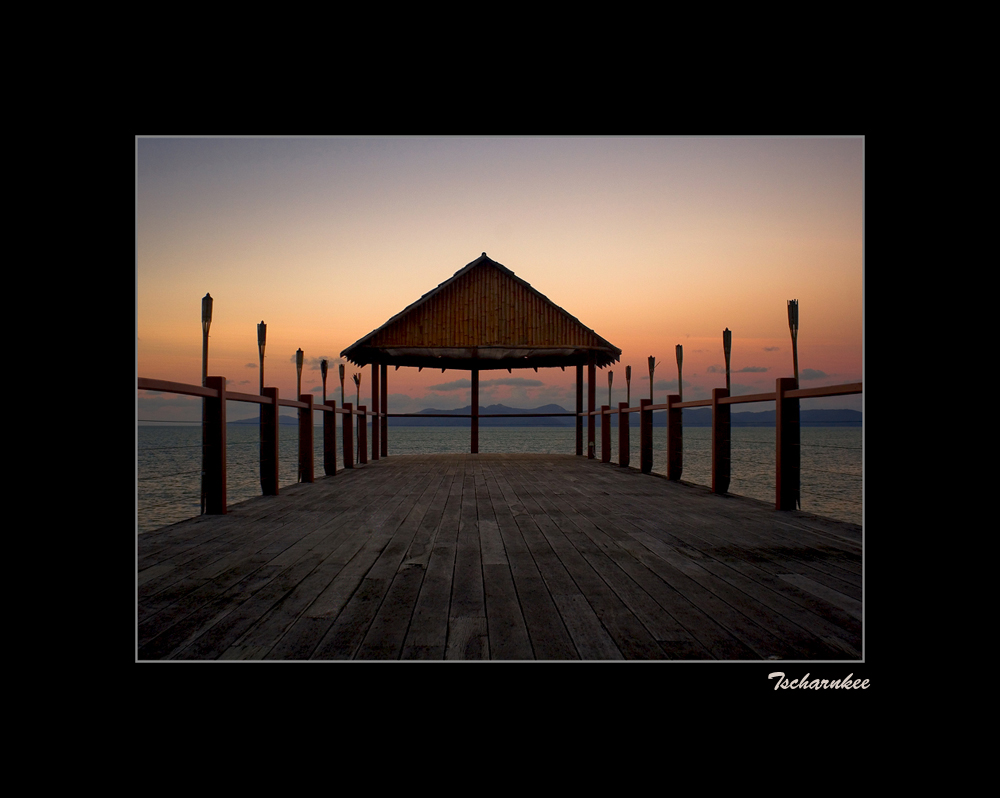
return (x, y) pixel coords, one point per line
(485, 361)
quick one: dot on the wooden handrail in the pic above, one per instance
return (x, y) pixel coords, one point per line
(145, 384)
(166, 386)
(786, 422)
(845, 389)
(829, 390)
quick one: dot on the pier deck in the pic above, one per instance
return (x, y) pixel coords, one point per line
(517, 557)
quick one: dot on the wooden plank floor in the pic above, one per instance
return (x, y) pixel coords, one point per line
(515, 557)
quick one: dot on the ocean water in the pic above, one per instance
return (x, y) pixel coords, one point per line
(168, 467)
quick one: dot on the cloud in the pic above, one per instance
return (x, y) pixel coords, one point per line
(520, 381)
(251, 366)
(663, 385)
(456, 385)
(744, 370)
(313, 363)
(772, 348)
(812, 374)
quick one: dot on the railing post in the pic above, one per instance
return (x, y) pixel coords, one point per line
(269, 444)
(645, 436)
(215, 447)
(605, 433)
(786, 450)
(348, 419)
(720, 441)
(330, 439)
(375, 405)
(385, 409)
(579, 410)
(474, 430)
(623, 447)
(306, 458)
(362, 434)
(591, 405)
(675, 438)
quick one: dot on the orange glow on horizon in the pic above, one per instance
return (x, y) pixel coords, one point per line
(650, 242)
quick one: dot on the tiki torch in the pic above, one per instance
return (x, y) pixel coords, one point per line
(680, 384)
(727, 347)
(298, 369)
(793, 326)
(206, 322)
(261, 341)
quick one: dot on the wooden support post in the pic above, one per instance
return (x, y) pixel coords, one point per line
(376, 426)
(675, 438)
(306, 458)
(348, 418)
(605, 433)
(385, 410)
(720, 441)
(362, 434)
(330, 439)
(474, 442)
(579, 410)
(786, 449)
(269, 444)
(623, 445)
(215, 447)
(591, 406)
(645, 436)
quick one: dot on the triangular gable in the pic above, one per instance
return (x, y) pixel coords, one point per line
(484, 315)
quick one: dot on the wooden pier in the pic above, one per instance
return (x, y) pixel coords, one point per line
(502, 557)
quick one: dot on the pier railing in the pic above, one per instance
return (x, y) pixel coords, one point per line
(216, 395)
(786, 397)
(787, 434)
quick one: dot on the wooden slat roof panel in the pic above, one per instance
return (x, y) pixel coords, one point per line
(483, 306)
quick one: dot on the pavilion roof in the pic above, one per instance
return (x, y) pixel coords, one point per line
(483, 317)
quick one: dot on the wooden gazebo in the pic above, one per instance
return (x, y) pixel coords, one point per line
(484, 317)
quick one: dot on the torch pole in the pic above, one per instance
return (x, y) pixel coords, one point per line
(206, 323)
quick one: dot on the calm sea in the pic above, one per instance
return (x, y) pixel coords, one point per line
(168, 462)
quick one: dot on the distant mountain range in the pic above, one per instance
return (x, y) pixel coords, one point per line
(693, 417)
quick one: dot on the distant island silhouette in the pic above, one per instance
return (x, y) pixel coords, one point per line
(693, 417)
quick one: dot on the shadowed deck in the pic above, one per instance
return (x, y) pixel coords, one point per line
(500, 557)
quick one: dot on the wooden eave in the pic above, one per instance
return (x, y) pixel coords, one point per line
(483, 317)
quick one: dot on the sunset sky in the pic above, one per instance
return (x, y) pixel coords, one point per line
(651, 242)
